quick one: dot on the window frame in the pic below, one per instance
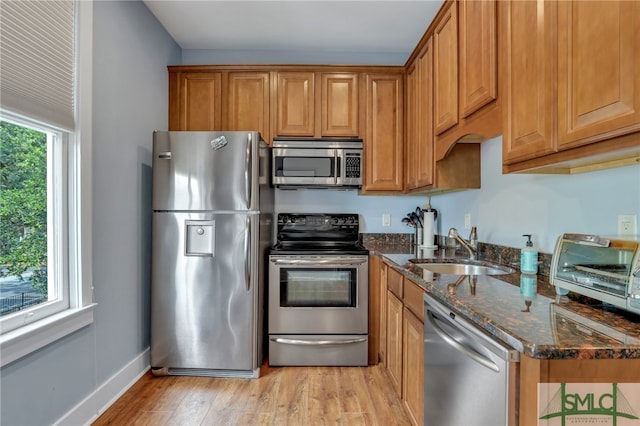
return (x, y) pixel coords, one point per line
(34, 335)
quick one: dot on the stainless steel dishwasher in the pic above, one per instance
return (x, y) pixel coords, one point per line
(469, 377)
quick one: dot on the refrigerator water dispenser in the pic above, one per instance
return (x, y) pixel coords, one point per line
(200, 238)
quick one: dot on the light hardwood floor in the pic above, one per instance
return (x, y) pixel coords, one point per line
(281, 396)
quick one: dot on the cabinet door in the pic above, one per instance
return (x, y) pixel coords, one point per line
(374, 308)
(339, 104)
(424, 152)
(598, 70)
(382, 348)
(411, 118)
(200, 101)
(248, 102)
(413, 360)
(530, 56)
(295, 104)
(383, 148)
(419, 149)
(394, 341)
(477, 54)
(445, 73)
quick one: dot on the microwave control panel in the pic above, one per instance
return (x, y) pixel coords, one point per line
(353, 165)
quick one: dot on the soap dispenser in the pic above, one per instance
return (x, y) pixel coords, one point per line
(528, 257)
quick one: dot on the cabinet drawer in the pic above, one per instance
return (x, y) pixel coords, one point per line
(395, 282)
(413, 298)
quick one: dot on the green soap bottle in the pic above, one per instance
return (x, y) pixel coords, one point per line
(529, 257)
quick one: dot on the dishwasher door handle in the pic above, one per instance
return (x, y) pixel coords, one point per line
(317, 342)
(470, 352)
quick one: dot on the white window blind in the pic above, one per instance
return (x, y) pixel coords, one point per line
(37, 73)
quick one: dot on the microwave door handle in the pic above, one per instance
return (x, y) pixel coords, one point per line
(336, 167)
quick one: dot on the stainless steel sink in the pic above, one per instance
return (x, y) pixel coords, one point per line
(463, 267)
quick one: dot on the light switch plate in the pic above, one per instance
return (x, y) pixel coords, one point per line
(386, 219)
(467, 221)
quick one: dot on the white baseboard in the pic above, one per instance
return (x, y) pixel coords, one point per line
(89, 409)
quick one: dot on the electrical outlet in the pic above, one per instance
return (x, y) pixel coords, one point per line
(627, 224)
(467, 221)
(386, 219)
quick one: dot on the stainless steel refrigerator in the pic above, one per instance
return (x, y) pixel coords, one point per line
(212, 227)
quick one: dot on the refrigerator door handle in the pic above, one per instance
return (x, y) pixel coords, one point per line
(247, 172)
(247, 254)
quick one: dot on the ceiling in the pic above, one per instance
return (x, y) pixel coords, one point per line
(361, 26)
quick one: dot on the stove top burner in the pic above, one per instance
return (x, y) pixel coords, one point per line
(336, 233)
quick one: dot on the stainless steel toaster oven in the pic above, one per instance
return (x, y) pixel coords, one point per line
(605, 269)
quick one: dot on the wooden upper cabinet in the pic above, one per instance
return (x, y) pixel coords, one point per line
(445, 47)
(419, 117)
(295, 104)
(467, 106)
(572, 85)
(478, 55)
(199, 102)
(529, 75)
(598, 69)
(248, 102)
(411, 130)
(339, 104)
(317, 104)
(383, 149)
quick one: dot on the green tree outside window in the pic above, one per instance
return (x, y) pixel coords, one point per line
(23, 203)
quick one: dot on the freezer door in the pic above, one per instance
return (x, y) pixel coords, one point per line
(205, 291)
(206, 170)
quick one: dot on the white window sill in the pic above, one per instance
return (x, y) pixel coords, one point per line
(29, 338)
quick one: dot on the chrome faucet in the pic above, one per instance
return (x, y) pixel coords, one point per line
(453, 233)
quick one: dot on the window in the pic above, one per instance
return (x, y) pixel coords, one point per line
(45, 161)
(33, 223)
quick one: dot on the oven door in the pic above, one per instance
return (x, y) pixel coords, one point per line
(318, 294)
(305, 166)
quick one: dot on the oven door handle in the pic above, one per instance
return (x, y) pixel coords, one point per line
(332, 261)
(317, 342)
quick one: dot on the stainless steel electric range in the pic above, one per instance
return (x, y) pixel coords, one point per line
(318, 291)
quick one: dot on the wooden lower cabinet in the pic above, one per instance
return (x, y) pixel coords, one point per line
(413, 362)
(374, 308)
(394, 341)
(404, 342)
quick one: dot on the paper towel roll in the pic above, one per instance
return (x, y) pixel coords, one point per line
(428, 229)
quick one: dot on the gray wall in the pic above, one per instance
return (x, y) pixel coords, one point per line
(130, 96)
(222, 57)
(505, 207)
(131, 51)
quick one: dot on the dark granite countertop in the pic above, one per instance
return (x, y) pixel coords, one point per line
(539, 325)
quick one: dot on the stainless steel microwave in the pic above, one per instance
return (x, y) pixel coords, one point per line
(317, 163)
